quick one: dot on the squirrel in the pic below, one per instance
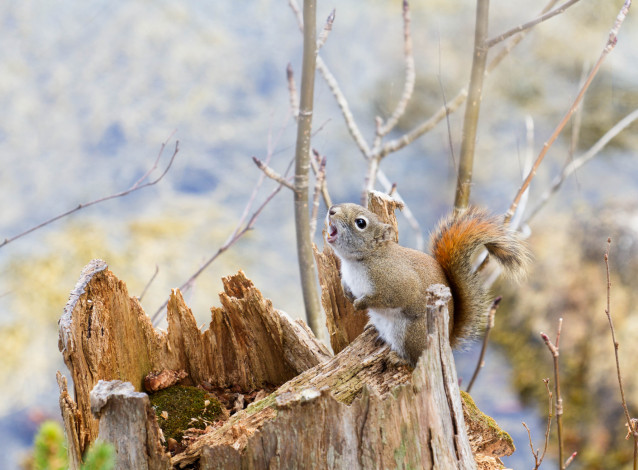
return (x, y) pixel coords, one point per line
(391, 281)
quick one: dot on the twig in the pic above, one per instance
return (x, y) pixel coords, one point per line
(272, 174)
(631, 423)
(538, 457)
(609, 46)
(243, 225)
(447, 117)
(331, 81)
(234, 237)
(406, 211)
(459, 99)
(351, 124)
(580, 161)
(382, 129)
(570, 459)
(426, 126)
(549, 420)
(327, 28)
(410, 75)
(470, 121)
(486, 337)
(554, 349)
(578, 122)
(320, 179)
(314, 164)
(530, 24)
(139, 184)
(148, 284)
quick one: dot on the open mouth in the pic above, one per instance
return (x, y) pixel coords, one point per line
(332, 234)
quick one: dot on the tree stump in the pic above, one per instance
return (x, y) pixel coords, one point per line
(363, 408)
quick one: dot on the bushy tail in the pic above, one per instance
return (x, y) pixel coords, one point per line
(453, 243)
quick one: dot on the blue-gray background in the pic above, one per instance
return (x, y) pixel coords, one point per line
(89, 90)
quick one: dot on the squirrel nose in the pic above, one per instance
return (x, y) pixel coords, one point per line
(332, 211)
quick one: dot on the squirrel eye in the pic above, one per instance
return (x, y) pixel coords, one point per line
(361, 223)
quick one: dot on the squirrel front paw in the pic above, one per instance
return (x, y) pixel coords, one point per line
(347, 292)
(361, 303)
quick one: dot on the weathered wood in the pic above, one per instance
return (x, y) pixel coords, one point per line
(105, 334)
(385, 206)
(159, 380)
(364, 408)
(128, 423)
(344, 323)
(72, 418)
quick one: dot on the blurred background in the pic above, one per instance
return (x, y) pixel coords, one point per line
(90, 90)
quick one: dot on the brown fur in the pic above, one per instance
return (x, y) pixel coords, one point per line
(391, 281)
(453, 244)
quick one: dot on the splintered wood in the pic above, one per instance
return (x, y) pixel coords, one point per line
(105, 335)
(363, 408)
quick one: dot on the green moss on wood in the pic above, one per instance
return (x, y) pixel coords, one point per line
(185, 408)
(482, 420)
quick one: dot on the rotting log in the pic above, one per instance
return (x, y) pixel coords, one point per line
(363, 408)
(105, 335)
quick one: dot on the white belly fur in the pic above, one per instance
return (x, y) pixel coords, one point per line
(356, 278)
(391, 325)
(389, 322)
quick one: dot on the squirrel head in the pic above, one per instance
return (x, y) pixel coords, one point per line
(354, 232)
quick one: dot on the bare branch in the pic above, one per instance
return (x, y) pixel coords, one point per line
(148, 284)
(538, 457)
(531, 446)
(239, 232)
(584, 158)
(327, 28)
(305, 258)
(243, 225)
(570, 459)
(272, 174)
(609, 46)
(315, 164)
(410, 75)
(320, 179)
(331, 81)
(554, 349)
(549, 420)
(486, 337)
(470, 121)
(458, 100)
(578, 121)
(426, 126)
(353, 128)
(406, 212)
(630, 422)
(530, 24)
(139, 184)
